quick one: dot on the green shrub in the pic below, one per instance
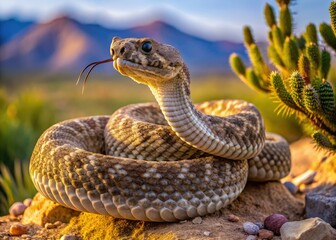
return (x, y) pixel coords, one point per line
(22, 120)
(15, 187)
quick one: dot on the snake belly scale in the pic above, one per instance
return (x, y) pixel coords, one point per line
(162, 162)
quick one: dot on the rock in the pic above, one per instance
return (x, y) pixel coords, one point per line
(197, 220)
(274, 222)
(43, 210)
(206, 233)
(265, 234)
(305, 178)
(17, 229)
(260, 225)
(250, 228)
(233, 218)
(26, 236)
(17, 209)
(27, 202)
(69, 237)
(49, 226)
(308, 229)
(319, 200)
(251, 237)
(291, 187)
(58, 223)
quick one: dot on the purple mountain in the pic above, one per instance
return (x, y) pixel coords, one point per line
(65, 44)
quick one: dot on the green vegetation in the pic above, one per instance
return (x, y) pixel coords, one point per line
(22, 120)
(15, 187)
(300, 83)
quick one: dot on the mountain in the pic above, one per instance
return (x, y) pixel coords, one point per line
(65, 44)
(11, 27)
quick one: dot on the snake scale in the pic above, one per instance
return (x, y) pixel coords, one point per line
(161, 162)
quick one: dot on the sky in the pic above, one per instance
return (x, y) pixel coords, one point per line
(212, 19)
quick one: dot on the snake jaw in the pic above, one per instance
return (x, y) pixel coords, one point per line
(145, 74)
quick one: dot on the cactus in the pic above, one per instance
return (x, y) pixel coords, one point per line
(299, 83)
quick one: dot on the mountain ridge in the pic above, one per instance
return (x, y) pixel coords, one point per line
(66, 44)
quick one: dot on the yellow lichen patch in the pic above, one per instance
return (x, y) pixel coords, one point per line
(43, 210)
(93, 226)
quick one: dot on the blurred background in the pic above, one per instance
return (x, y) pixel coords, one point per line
(45, 44)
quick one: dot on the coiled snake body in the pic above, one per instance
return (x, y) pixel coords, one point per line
(157, 162)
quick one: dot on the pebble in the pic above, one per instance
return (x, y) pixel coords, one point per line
(49, 226)
(17, 209)
(305, 178)
(58, 223)
(197, 220)
(320, 199)
(27, 202)
(26, 236)
(69, 237)
(274, 222)
(233, 218)
(251, 237)
(291, 187)
(17, 229)
(206, 233)
(250, 228)
(265, 234)
(260, 225)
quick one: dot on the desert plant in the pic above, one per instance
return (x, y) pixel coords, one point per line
(15, 187)
(22, 120)
(300, 83)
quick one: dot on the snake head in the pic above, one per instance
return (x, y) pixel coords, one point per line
(145, 60)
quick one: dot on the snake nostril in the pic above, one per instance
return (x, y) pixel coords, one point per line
(122, 50)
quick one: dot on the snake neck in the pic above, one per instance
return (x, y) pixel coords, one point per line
(186, 121)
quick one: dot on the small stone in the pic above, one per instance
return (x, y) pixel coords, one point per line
(58, 223)
(265, 234)
(27, 202)
(251, 237)
(305, 178)
(274, 222)
(206, 233)
(308, 229)
(25, 236)
(250, 228)
(197, 220)
(49, 226)
(320, 199)
(17, 229)
(233, 218)
(260, 225)
(17, 209)
(291, 187)
(69, 237)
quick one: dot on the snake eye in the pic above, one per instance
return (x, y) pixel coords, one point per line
(147, 47)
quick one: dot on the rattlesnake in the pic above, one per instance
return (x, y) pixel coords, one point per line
(168, 161)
